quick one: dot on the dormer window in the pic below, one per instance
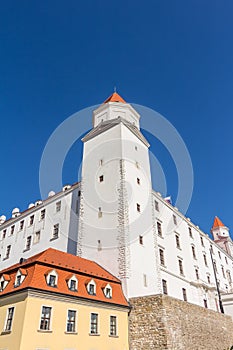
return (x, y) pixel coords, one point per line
(19, 278)
(91, 287)
(52, 278)
(4, 280)
(72, 283)
(108, 291)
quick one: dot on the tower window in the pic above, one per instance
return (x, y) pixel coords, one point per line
(100, 214)
(138, 207)
(37, 237)
(141, 239)
(208, 279)
(12, 229)
(164, 286)
(181, 266)
(28, 243)
(174, 220)
(202, 242)
(219, 254)
(55, 231)
(21, 224)
(58, 206)
(8, 249)
(184, 294)
(145, 280)
(197, 273)
(101, 162)
(138, 181)
(156, 206)
(161, 257)
(101, 178)
(190, 232)
(42, 214)
(31, 220)
(4, 234)
(159, 229)
(205, 259)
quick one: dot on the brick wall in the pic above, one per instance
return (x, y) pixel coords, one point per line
(161, 322)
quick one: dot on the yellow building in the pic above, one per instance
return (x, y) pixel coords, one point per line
(57, 301)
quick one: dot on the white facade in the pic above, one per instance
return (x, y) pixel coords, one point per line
(123, 224)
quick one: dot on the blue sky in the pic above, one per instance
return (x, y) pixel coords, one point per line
(175, 57)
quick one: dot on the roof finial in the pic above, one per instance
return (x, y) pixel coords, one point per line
(115, 89)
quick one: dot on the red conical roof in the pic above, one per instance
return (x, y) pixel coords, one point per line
(217, 223)
(115, 97)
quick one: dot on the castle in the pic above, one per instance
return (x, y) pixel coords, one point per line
(114, 217)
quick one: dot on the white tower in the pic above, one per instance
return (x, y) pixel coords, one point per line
(221, 236)
(116, 218)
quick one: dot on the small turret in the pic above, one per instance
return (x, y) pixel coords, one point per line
(219, 230)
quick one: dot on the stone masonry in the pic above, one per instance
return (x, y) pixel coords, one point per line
(161, 322)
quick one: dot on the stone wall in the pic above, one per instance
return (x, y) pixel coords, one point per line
(161, 322)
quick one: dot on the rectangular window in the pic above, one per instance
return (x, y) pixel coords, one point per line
(156, 206)
(205, 303)
(138, 207)
(215, 267)
(140, 239)
(177, 241)
(164, 286)
(219, 254)
(4, 234)
(45, 318)
(31, 220)
(73, 285)
(193, 252)
(12, 229)
(100, 213)
(181, 266)
(205, 259)
(91, 289)
(71, 321)
(9, 319)
(58, 206)
(94, 323)
(184, 294)
(208, 279)
(42, 214)
(223, 272)
(145, 280)
(52, 281)
(161, 256)
(197, 273)
(138, 181)
(55, 231)
(226, 260)
(21, 225)
(113, 325)
(202, 241)
(174, 220)
(37, 237)
(190, 232)
(8, 249)
(101, 178)
(28, 243)
(159, 229)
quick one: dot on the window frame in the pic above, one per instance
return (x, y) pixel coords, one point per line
(71, 322)
(9, 319)
(94, 323)
(45, 319)
(113, 326)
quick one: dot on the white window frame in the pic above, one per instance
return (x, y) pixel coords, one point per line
(92, 282)
(7, 318)
(108, 287)
(50, 320)
(75, 321)
(116, 327)
(52, 273)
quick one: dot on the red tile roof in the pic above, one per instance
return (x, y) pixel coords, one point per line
(217, 223)
(65, 265)
(115, 97)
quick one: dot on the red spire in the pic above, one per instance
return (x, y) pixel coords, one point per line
(217, 223)
(115, 98)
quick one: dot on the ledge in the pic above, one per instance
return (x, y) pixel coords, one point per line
(94, 334)
(75, 333)
(5, 332)
(44, 331)
(113, 336)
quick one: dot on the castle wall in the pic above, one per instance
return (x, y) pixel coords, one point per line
(161, 322)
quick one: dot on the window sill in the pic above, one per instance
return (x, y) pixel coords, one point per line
(75, 333)
(7, 257)
(5, 332)
(53, 238)
(94, 334)
(44, 331)
(26, 250)
(113, 336)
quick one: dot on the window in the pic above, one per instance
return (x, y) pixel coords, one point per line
(219, 254)
(136, 148)
(190, 232)
(37, 237)
(156, 206)
(94, 323)
(101, 178)
(4, 280)
(31, 220)
(45, 318)
(100, 213)
(141, 239)
(208, 279)
(113, 325)
(174, 220)
(184, 294)
(28, 243)
(42, 214)
(229, 276)
(138, 181)
(58, 206)
(4, 234)
(18, 280)
(193, 252)
(197, 273)
(12, 229)
(181, 266)
(215, 267)
(164, 286)
(52, 281)
(205, 303)
(79, 193)
(91, 287)
(138, 207)
(8, 249)
(21, 225)
(71, 320)
(159, 229)
(73, 284)
(137, 164)
(211, 249)
(101, 162)
(9, 319)
(145, 280)
(161, 256)
(226, 260)
(205, 259)
(177, 241)
(55, 231)
(223, 272)
(202, 242)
